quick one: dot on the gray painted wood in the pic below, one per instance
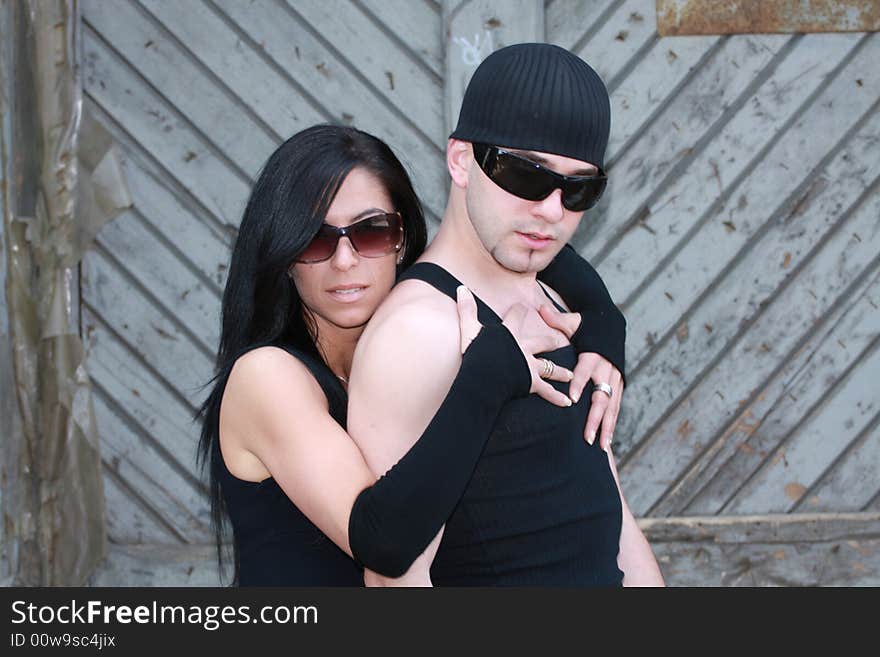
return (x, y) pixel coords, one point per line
(395, 78)
(568, 23)
(150, 329)
(130, 520)
(159, 270)
(835, 422)
(678, 361)
(792, 393)
(237, 63)
(773, 338)
(476, 28)
(617, 43)
(853, 482)
(162, 130)
(715, 329)
(416, 26)
(659, 201)
(678, 146)
(231, 131)
(803, 550)
(338, 89)
(158, 565)
(157, 484)
(704, 248)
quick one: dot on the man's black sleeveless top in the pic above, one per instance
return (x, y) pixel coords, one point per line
(277, 544)
(542, 508)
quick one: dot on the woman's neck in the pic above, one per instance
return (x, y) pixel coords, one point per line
(336, 345)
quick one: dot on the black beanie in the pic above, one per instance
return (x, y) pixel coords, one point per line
(537, 97)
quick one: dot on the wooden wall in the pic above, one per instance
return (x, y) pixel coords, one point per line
(740, 234)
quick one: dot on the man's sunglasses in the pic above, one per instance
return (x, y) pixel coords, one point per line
(529, 180)
(372, 237)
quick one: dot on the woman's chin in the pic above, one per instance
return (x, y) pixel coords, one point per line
(352, 317)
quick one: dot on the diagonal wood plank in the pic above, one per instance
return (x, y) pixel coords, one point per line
(668, 451)
(569, 22)
(161, 341)
(146, 259)
(171, 70)
(157, 410)
(853, 482)
(389, 69)
(172, 497)
(804, 457)
(620, 40)
(791, 394)
(718, 320)
(177, 226)
(239, 65)
(159, 129)
(763, 194)
(129, 520)
(655, 168)
(295, 49)
(417, 25)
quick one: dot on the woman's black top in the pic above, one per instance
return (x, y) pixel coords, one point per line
(392, 521)
(542, 507)
(277, 544)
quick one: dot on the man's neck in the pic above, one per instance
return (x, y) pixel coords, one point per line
(459, 250)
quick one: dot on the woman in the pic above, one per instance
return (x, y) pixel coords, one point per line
(330, 221)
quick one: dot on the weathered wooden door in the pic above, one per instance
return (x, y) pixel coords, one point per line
(740, 234)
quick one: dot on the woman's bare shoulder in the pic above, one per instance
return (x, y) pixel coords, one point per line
(269, 373)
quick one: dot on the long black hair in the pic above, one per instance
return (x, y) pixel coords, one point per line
(286, 208)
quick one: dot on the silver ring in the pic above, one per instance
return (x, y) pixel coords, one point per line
(547, 372)
(604, 387)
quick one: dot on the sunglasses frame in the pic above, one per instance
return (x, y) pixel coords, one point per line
(345, 231)
(487, 155)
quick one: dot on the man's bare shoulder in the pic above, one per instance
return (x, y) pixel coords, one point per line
(414, 310)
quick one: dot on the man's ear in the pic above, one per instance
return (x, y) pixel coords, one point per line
(459, 158)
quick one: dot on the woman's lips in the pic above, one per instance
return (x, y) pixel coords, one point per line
(348, 293)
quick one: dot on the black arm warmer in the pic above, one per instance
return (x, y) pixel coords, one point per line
(603, 326)
(394, 520)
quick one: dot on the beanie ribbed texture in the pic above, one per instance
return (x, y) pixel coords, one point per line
(538, 97)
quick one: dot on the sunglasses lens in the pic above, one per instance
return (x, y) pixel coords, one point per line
(321, 247)
(520, 178)
(581, 196)
(378, 235)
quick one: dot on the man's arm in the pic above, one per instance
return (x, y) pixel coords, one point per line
(635, 559)
(403, 367)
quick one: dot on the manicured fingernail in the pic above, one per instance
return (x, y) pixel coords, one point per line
(567, 401)
(575, 396)
(592, 437)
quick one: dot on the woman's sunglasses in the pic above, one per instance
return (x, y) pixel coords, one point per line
(372, 237)
(529, 180)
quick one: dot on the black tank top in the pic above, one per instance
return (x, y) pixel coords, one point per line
(277, 544)
(542, 508)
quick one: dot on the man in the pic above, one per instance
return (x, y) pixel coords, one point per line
(543, 507)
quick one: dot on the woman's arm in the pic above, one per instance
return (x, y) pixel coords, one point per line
(275, 412)
(603, 327)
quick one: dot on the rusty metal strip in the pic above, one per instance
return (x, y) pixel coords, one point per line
(681, 17)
